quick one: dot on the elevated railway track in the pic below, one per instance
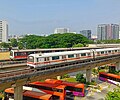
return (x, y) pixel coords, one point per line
(30, 75)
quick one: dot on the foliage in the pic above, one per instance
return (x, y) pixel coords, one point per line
(78, 45)
(113, 95)
(95, 71)
(80, 78)
(20, 45)
(71, 79)
(108, 41)
(66, 76)
(4, 45)
(14, 42)
(65, 40)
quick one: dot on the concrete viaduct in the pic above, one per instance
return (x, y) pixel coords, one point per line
(18, 79)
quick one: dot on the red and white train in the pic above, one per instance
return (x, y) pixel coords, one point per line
(22, 54)
(37, 60)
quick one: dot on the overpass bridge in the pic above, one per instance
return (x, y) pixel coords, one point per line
(18, 78)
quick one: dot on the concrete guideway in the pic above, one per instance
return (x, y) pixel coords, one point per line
(20, 78)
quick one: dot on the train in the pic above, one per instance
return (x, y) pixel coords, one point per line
(40, 59)
(22, 54)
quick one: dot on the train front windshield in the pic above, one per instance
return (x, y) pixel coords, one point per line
(30, 59)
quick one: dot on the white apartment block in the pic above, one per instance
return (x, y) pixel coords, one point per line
(61, 30)
(3, 31)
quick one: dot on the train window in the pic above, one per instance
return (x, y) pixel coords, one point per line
(98, 53)
(105, 52)
(30, 59)
(16, 54)
(109, 51)
(88, 54)
(115, 50)
(64, 56)
(37, 59)
(83, 54)
(77, 55)
(102, 52)
(55, 57)
(71, 56)
(23, 53)
(47, 59)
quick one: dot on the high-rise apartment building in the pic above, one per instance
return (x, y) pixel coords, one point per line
(3, 31)
(86, 33)
(61, 30)
(107, 31)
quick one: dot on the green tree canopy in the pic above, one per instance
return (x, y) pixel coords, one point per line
(4, 45)
(65, 40)
(113, 95)
(80, 78)
(14, 42)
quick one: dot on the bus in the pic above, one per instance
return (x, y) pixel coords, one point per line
(57, 90)
(27, 95)
(76, 88)
(111, 78)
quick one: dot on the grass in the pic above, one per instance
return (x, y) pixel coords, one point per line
(70, 79)
(102, 70)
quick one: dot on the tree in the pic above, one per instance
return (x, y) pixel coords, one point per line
(20, 45)
(65, 40)
(4, 45)
(80, 78)
(113, 95)
(14, 42)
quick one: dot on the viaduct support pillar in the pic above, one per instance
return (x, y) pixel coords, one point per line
(88, 75)
(18, 92)
(117, 66)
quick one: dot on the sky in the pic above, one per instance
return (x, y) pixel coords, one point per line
(41, 17)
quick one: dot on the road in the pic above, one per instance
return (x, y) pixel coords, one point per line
(93, 95)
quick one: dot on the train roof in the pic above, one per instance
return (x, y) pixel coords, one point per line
(106, 49)
(69, 52)
(78, 48)
(59, 53)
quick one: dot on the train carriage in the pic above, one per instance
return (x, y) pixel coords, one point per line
(37, 60)
(22, 54)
